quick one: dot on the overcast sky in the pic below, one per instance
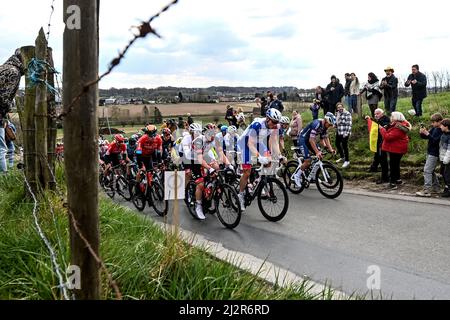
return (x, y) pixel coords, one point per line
(249, 42)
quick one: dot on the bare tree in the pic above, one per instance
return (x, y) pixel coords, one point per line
(434, 75)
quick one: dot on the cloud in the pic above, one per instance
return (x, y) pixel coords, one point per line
(284, 31)
(364, 33)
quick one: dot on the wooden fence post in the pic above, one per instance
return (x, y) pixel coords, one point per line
(80, 66)
(27, 121)
(40, 116)
(52, 129)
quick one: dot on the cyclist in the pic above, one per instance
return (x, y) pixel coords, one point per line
(114, 152)
(197, 156)
(307, 142)
(148, 150)
(167, 143)
(131, 147)
(260, 140)
(231, 140)
(220, 145)
(285, 123)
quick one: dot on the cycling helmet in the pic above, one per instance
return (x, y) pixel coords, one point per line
(224, 128)
(166, 131)
(232, 130)
(285, 120)
(274, 115)
(134, 137)
(119, 138)
(195, 127)
(240, 118)
(151, 130)
(330, 118)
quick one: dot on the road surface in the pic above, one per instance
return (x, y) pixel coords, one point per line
(403, 246)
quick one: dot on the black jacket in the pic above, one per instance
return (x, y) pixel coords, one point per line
(348, 82)
(336, 95)
(419, 90)
(433, 141)
(384, 121)
(264, 108)
(391, 88)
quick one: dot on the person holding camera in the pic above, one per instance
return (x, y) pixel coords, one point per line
(434, 138)
(418, 82)
(390, 86)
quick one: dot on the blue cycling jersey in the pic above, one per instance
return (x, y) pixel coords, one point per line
(314, 129)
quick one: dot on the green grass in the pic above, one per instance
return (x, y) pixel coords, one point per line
(146, 262)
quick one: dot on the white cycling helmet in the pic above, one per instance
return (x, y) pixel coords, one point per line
(232, 130)
(274, 114)
(195, 127)
(330, 118)
(285, 120)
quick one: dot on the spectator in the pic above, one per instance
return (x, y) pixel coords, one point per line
(321, 97)
(418, 81)
(234, 119)
(190, 120)
(444, 155)
(395, 143)
(348, 81)
(240, 117)
(354, 93)
(343, 132)
(376, 141)
(373, 92)
(434, 138)
(180, 122)
(11, 147)
(229, 115)
(296, 127)
(335, 93)
(390, 86)
(274, 103)
(315, 107)
(264, 107)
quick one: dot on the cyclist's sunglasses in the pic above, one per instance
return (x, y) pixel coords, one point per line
(274, 122)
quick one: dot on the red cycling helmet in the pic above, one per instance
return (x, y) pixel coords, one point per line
(119, 138)
(166, 131)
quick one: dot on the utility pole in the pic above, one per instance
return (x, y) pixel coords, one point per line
(80, 65)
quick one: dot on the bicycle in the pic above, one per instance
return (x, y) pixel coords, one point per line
(114, 182)
(270, 192)
(151, 191)
(218, 197)
(327, 177)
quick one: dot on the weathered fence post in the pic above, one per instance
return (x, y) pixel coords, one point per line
(80, 66)
(28, 129)
(52, 129)
(42, 172)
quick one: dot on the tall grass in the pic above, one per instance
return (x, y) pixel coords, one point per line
(146, 262)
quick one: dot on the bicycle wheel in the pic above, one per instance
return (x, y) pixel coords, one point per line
(157, 201)
(332, 186)
(138, 198)
(123, 188)
(189, 198)
(227, 206)
(275, 203)
(291, 167)
(108, 185)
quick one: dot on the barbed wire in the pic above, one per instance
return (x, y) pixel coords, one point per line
(52, 7)
(62, 284)
(144, 29)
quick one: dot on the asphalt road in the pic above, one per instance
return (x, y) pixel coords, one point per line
(339, 241)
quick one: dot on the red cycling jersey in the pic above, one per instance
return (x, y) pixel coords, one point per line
(148, 145)
(115, 148)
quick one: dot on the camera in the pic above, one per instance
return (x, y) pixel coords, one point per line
(422, 125)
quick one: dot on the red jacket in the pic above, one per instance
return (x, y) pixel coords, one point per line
(395, 138)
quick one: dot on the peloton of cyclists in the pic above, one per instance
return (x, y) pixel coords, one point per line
(116, 152)
(148, 150)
